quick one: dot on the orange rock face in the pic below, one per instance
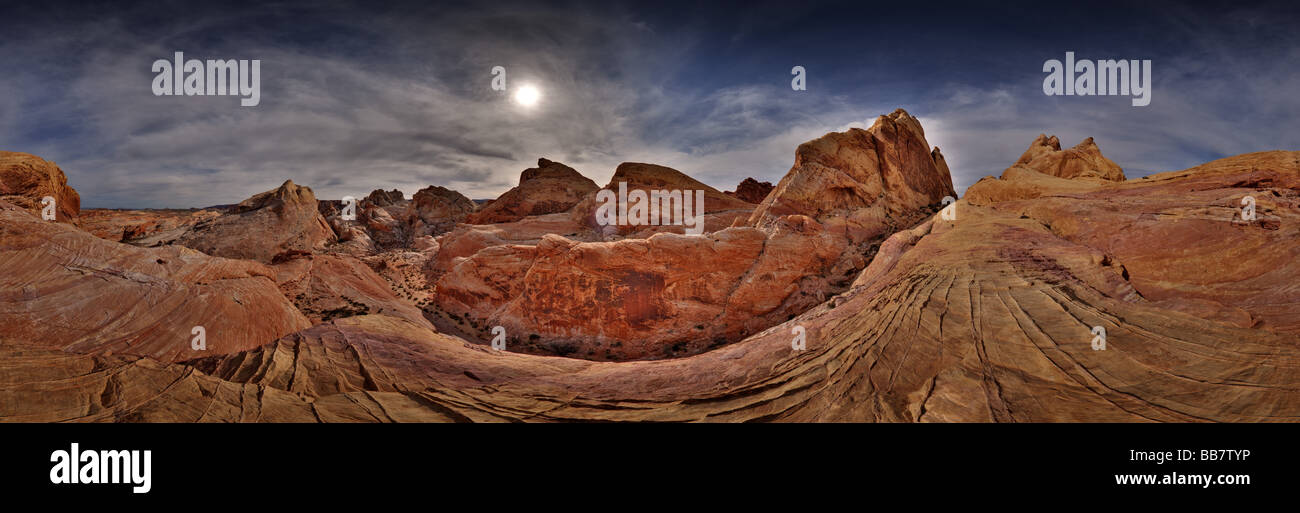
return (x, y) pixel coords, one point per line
(668, 295)
(66, 289)
(1179, 238)
(435, 210)
(326, 287)
(990, 315)
(649, 177)
(1084, 161)
(868, 183)
(549, 188)
(25, 180)
(380, 223)
(665, 296)
(142, 227)
(274, 224)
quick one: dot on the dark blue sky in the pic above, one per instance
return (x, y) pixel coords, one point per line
(358, 96)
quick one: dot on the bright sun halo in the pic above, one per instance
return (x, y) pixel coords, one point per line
(527, 96)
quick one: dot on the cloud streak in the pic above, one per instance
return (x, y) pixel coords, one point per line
(355, 99)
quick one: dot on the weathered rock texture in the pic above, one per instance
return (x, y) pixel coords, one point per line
(272, 225)
(326, 287)
(669, 295)
(142, 227)
(986, 317)
(720, 209)
(434, 210)
(380, 224)
(25, 180)
(867, 183)
(66, 289)
(549, 188)
(665, 296)
(1084, 161)
(751, 190)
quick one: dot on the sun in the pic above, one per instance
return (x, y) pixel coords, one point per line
(527, 95)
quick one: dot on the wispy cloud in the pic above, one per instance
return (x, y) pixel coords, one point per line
(357, 98)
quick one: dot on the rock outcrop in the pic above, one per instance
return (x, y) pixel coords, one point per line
(142, 227)
(435, 210)
(868, 183)
(326, 287)
(26, 180)
(1083, 161)
(549, 188)
(659, 294)
(720, 210)
(991, 316)
(267, 227)
(382, 198)
(665, 296)
(66, 289)
(751, 190)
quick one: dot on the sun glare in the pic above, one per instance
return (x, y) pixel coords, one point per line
(527, 96)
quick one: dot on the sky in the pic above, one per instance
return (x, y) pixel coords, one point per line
(357, 96)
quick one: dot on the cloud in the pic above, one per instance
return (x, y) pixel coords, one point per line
(357, 99)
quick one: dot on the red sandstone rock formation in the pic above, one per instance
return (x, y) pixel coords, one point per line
(549, 188)
(326, 287)
(274, 224)
(68, 290)
(27, 179)
(1083, 161)
(435, 210)
(978, 318)
(868, 183)
(670, 295)
(720, 209)
(142, 227)
(751, 190)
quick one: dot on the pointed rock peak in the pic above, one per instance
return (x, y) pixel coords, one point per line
(1082, 161)
(1042, 145)
(863, 180)
(1044, 140)
(897, 118)
(286, 193)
